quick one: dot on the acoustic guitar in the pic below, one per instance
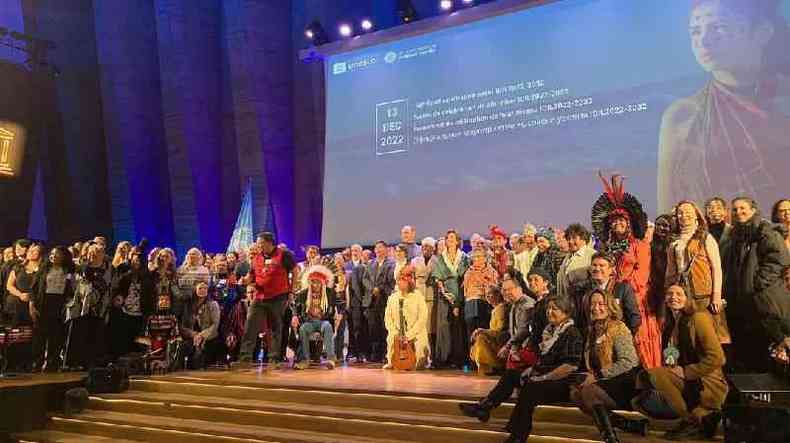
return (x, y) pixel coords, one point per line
(404, 357)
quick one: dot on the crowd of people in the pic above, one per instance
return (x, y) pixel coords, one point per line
(629, 314)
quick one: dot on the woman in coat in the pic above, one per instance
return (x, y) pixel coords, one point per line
(452, 343)
(691, 381)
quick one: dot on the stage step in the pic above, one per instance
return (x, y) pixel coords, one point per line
(185, 409)
(166, 429)
(362, 400)
(67, 437)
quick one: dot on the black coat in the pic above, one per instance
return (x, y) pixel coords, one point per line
(753, 261)
(382, 277)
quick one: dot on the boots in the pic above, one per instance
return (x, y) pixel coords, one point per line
(639, 426)
(480, 411)
(601, 418)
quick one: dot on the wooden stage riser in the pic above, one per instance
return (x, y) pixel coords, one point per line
(113, 430)
(360, 400)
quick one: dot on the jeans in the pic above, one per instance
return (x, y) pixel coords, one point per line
(309, 328)
(272, 309)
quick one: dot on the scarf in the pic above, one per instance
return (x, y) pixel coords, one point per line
(679, 246)
(452, 265)
(551, 334)
(734, 161)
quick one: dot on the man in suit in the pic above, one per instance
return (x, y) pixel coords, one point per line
(381, 281)
(358, 289)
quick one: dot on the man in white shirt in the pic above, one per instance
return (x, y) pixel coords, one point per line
(575, 266)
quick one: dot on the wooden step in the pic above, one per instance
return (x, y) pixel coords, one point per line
(366, 401)
(67, 437)
(207, 429)
(334, 419)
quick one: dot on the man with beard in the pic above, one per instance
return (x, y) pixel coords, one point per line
(753, 266)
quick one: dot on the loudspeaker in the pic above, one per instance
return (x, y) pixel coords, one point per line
(109, 380)
(76, 401)
(756, 424)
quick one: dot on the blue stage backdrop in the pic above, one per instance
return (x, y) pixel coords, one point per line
(507, 119)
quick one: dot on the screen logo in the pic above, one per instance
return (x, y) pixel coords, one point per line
(339, 68)
(391, 57)
(11, 145)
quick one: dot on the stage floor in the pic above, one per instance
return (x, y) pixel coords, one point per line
(27, 380)
(439, 384)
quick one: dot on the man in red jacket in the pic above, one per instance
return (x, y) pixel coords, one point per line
(271, 273)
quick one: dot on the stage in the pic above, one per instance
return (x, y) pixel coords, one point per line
(26, 398)
(347, 404)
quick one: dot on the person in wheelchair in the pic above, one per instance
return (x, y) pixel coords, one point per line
(316, 310)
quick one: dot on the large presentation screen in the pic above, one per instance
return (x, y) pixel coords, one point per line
(507, 120)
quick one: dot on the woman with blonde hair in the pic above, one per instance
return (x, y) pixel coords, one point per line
(612, 364)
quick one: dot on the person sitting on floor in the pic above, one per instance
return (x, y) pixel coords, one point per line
(406, 318)
(612, 365)
(488, 342)
(200, 329)
(691, 380)
(316, 309)
(549, 380)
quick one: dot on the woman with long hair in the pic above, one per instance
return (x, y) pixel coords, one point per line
(20, 285)
(612, 364)
(200, 329)
(691, 381)
(693, 261)
(54, 287)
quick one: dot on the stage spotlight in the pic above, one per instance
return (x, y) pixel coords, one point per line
(366, 25)
(468, 3)
(345, 30)
(406, 12)
(446, 5)
(315, 32)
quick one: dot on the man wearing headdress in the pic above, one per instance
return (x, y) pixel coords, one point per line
(620, 222)
(317, 310)
(730, 138)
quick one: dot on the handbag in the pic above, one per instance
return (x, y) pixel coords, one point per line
(404, 357)
(524, 359)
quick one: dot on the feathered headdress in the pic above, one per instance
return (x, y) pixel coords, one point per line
(615, 202)
(318, 272)
(496, 231)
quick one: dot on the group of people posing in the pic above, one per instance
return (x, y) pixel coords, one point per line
(632, 314)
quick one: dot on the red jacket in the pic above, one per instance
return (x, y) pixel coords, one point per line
(271, 275)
